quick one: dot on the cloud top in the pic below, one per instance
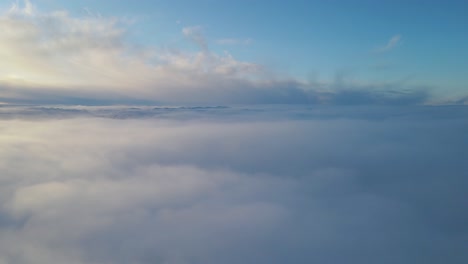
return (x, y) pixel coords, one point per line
(371, 185)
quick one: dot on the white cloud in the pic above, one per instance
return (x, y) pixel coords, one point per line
(392, 43)
(90, 56)
(235, 186)
(27, 9)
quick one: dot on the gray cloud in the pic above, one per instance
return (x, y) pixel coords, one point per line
(278, 184)
(234, 91)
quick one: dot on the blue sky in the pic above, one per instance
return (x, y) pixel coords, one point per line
(415, 44)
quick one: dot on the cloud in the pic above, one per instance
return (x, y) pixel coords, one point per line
(195, 34)
(392, 43)
(57, 54)
(265, 185)
(16, 8)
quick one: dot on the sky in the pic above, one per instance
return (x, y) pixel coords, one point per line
(226, 132)
(233, 51)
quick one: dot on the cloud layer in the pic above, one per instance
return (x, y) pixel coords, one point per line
(223, 185)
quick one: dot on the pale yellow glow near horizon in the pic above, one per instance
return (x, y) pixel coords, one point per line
(55, 51)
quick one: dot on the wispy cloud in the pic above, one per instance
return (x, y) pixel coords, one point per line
(195, 34)
(27, 9)
(391, 44)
